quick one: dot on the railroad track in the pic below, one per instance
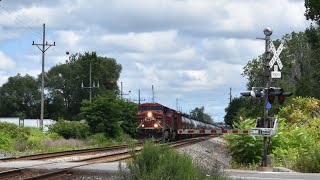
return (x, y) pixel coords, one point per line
(27, 174)
(45, 156)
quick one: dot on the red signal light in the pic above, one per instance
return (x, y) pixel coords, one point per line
(271, 99)
(281, 99)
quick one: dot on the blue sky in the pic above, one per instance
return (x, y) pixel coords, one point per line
(190, 50)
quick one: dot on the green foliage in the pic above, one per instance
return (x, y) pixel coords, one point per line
(309, 160)
(6, 142)
(312, 10)
(245, 150)
(161, 162)
(64, 83)
(103, 114)
(109, 115)
(242, 108)
(296, 143)
(302, 111)
(70, 130)
(200, 115)
(20, 97)
(128, 119)
(99, 139)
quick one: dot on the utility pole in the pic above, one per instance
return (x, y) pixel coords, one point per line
(139, 100)
(90, 87)
(152, 94)
(43, 48)
(230, 95)
(177, 104)
(121, 92)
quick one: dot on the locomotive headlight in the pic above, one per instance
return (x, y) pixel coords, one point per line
(149, 114)
(155, 125)
(142, 125)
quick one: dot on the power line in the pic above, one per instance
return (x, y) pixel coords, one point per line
(26, 28)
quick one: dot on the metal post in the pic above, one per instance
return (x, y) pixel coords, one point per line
(121, 91)
(139, 100)
(266, 140)
(90, 84)
(152, 94)
(42, 78)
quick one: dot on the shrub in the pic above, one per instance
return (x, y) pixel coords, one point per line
(73, 129)
(98, 140)
(245, 149)
(160, 162)
(309, 160)
(6, 142)
(13, 130)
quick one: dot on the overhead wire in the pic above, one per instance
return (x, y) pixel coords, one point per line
(25, 27)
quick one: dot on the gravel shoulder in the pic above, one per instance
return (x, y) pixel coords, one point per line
(211, 155)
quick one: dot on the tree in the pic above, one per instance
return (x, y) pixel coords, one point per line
(110, 115)
(200, 115)
(103, 114)
(20, 97)
(128, 120)
(242, 108)
(312, 10)
(63, 83)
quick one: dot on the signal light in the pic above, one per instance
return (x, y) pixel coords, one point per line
(270, 97)
(272, 92)
(283, 96)
(276, 91)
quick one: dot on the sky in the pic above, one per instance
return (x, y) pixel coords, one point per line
(192, 51)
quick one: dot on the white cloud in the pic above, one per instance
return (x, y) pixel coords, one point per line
(6, 63)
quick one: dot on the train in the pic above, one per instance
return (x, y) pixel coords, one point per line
(160, 122)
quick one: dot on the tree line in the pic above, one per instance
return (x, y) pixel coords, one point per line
(66, 99)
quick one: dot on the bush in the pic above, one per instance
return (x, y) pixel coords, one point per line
(161, 162)
(73, 129)
(98, 140)
(13, 130)
(309, 161)
(6, 142)
(245, 149)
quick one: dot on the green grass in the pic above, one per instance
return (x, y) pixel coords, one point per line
(160, 162)
(15, 140)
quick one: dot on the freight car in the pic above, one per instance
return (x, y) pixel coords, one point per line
(161, 122)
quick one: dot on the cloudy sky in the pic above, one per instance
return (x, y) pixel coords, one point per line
(190, 50)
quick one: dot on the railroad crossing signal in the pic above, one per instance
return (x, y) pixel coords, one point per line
(277, 91)
(276, 54)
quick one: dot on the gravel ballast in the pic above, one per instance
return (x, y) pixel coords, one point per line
(211, 155)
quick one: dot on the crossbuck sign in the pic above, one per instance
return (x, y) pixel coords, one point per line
(275, 58)
(276, 54)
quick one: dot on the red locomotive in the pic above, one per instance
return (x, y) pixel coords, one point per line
(158, 121)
